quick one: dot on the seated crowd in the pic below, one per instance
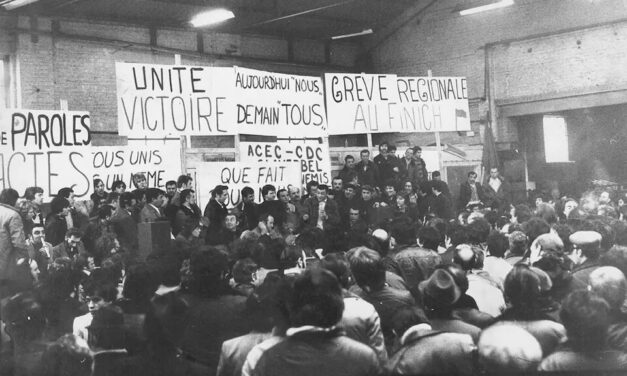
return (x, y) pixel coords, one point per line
(373, 275)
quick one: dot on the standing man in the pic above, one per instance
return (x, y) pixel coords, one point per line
(124, 225)
(470, 191)
(321, 212)
(367, 171)
(349, 173)
(12, 242)
(216, 211)
(441, 205)
(272, 206)
(423, 175)
(410, 169)
(151, 212)
(248, 209)
(387, 166)
(496, 191)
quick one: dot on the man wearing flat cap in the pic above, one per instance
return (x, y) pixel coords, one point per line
(585, 254)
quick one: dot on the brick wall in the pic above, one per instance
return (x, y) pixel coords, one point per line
(449, 44)
(76, 60)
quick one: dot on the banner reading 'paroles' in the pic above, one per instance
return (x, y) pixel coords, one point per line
(52, 150)
(371, 103)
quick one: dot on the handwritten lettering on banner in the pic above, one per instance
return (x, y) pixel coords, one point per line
(160, 100)
(237, 175)
(369, 103)
(52, 150)
(273, 104)
(311, 154)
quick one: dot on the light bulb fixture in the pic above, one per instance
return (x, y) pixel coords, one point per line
(487, 7)
(363, 32)
(211, 17)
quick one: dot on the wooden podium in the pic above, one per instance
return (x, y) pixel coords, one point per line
(153, 237)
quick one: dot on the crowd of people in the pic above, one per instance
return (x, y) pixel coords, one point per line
(379, 273)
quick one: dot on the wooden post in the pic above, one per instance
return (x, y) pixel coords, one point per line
(438, 143)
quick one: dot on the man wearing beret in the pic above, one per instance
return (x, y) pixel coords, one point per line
(585, 254)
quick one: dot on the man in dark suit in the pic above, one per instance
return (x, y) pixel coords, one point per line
(124, 225)
(441, 205)
(216, 211)
(367, 173)
(321, 211)
(151, 212)
(496, 191)
(409, 169)
(248, 209)
(470, 191)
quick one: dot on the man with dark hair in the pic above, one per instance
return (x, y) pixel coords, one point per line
(321, 211)
(494, 263)
(416, 262)
(249, 210)
(410, 169)
(151, 212)
(170, 189)
(12, 241)
(585, 254)
(422, 166)
(124, 225)
(183, 182)
(314, 345)
(348, 174)
(56, 220)
(369, 272)
(470, 191)
(337, 190)
(585, 316)
(496, 191)
(272, 206)
(367, 171)
(387, 165)
(609, 283)
(216, 211)
(36, 196)
(72, 248)
(118, 186)
(360, 320)
(291, 225)
(441, 205)
(312, 187)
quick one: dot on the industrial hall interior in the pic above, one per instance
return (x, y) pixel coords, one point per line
(313, 187)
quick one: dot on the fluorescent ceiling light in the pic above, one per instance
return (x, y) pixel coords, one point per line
(483, 8)
(364, 32)
(211, 17)
(12, 4)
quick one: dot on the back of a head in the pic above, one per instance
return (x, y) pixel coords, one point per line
(518, 243)
(522, 287)
(317, 299)
(23, 317)
(468, 257)
(522, 213)
(617, 257)
(610, 284)
(478, 231)
(67, 356)
(507, 348)
(367, 268)
(497, 244)
(140, 283)
(337, 264)
(535, 227)
(208, 269)
(585, 316)
(404, 231)
(429, 237)
(106, 330)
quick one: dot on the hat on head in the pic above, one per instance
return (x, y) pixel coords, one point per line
(585, 238)
(441, 288)
(549, 242)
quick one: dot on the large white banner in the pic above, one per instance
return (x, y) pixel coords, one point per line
(171, 100)
(274, 104)
(237, 175)
(371, 103)
(312, 154)
(52, 150)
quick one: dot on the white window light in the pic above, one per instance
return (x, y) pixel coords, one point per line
(343, 36)
(487, 7)
(211, 17)
(555, 134)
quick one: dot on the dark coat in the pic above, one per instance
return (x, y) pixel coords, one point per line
(367, 173)
(249, 215)
(386, 166)
(331, 209)
(55, 228)
(410, 172)
(326, 354)
(216, 212)
(465, 193)
(125, 228)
